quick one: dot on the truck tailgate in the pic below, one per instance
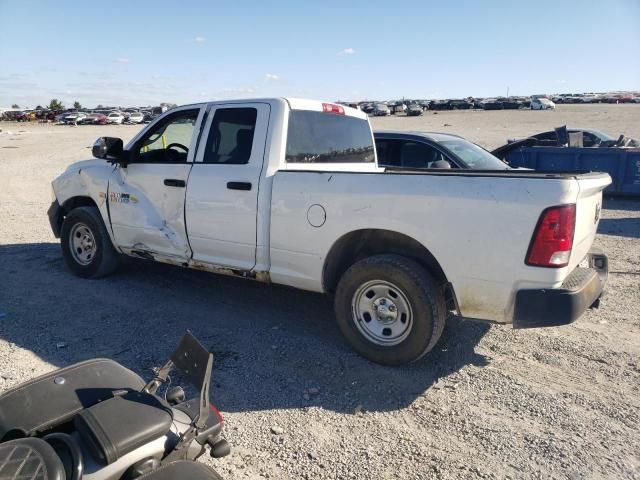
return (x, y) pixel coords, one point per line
(588, 205)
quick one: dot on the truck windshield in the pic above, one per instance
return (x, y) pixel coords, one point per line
(473, 156)
(318, 137)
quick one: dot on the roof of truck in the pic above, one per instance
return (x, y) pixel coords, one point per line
(295, 104)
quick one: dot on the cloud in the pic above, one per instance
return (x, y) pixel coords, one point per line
(122, 60)
(271, 76)
(347, 51)
(199, 39)
(562, 81)
(238, 91)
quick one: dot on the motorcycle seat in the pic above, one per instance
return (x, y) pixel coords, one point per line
(30, 459)
(50, 400)
(121, 424)
(182, 469)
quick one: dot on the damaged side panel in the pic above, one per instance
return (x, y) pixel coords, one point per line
(146, 214)
(142, 251)
(87, 178)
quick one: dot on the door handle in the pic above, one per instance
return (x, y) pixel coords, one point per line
(173, 182)
(239, 185)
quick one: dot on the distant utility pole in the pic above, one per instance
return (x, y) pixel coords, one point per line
(507, 92)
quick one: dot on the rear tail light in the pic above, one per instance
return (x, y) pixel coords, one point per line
(553, 238)
(333, 108)
(216, 412)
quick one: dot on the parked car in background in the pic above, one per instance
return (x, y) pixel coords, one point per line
(432, 150)
(439, 105)
(147, 116)
(381, 110)
(94, 119)
(367, 108)
(542, 104)
(492, 104)
(115, 118)
(135, 117)
(414, 110)
(59, 118)
(460, 104)
(21, 116)
(397, 107)
(510, 103)
(75, 118)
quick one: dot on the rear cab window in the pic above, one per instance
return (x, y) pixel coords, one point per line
(319, 137)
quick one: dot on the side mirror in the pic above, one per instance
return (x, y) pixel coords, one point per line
(109, 148)
(440, 164)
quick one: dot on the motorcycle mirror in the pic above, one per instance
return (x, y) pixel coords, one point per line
(175, 395)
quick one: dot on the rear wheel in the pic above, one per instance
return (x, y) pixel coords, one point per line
(86, 246)
(391, 310)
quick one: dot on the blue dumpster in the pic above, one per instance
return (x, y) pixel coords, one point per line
(622, 164)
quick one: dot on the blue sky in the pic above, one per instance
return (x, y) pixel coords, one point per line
(140, 52)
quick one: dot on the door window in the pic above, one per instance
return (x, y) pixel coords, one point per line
(231, 136)
(168, 142)
(385, 153)
(418, 155)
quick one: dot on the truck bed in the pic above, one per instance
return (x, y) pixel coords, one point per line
(478, 225)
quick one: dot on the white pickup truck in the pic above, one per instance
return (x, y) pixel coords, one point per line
(288, 191)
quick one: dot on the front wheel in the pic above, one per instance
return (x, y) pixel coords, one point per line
(86, 246)
(391, 310)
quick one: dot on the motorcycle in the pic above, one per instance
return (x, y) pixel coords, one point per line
(97, 420)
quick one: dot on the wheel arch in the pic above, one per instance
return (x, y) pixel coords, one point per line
(359, 244)
(78, 201)
(58, 212)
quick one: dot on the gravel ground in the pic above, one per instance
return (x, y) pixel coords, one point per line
(488, 402)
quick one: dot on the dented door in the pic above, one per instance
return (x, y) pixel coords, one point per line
(146, 198)
(146, 214)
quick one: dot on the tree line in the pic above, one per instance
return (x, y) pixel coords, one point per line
(56, 104)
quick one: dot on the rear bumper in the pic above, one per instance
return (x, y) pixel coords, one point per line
(55, 218)
(553, 307)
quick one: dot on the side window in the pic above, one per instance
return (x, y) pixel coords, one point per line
(168, 142)
(547, 136)
(231, 136)
(384, 149)
(418, 155)
(589, 140)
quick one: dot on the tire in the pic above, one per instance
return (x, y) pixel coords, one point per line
(84, 229)
(369, 288)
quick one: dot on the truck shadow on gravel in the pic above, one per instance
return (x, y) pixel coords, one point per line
(621, 226)
(275, 347)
